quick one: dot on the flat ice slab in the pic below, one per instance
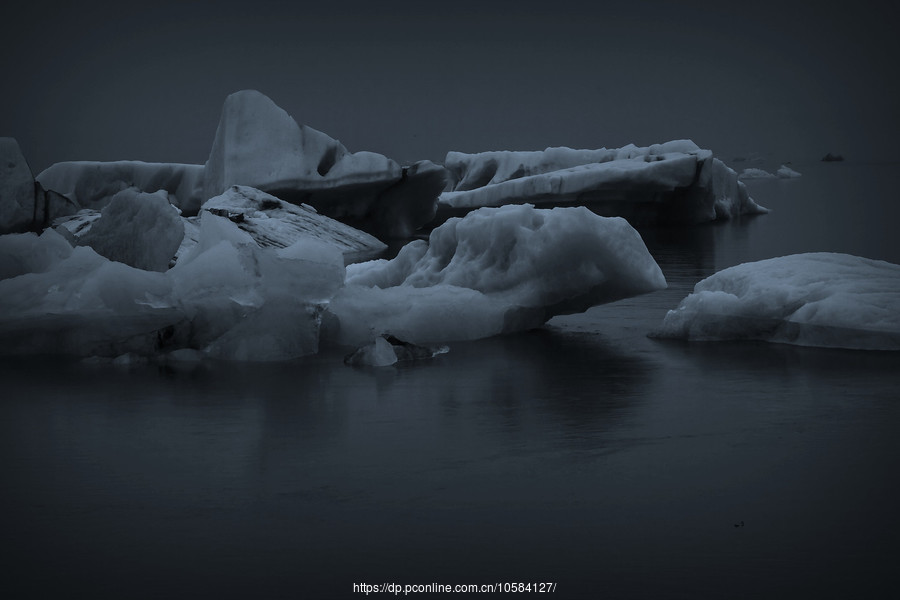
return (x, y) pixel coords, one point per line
(816, 299)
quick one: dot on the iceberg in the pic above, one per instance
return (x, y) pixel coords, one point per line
(671, 182)
(93, 184)
(816, 299)
(259, 145)
(227, 297)
(497, 270)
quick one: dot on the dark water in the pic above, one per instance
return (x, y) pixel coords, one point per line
(583, 453)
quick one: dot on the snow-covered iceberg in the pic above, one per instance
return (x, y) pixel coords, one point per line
(92, 184)
(816, 299)
(495, 271)
(258, 144)
(672, 182)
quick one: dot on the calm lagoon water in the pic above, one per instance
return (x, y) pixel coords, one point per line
(583, 453)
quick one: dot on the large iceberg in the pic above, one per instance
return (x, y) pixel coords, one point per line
(93, 184)
(258, 144)
(672, 182)
(231, 295)
(495, 271)
(816, 299)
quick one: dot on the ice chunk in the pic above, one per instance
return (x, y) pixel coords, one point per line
(16, 188)
(92, 184)
(379, 353)
(671, 182)
(138, 229)
(785, 172)
(274, 223)
(816, 299)
(495, 271)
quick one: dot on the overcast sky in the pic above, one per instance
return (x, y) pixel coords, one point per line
(104, 81)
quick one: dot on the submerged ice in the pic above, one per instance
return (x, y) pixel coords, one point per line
(816, 299)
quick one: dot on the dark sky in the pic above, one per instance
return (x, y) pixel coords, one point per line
(104, 81)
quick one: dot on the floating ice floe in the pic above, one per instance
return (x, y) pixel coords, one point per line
(497, 270)
(671, 182)
(817, 299)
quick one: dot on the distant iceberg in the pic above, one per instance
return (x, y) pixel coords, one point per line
(674, 182)
(816, 299)
(785, 172)
(497, 270)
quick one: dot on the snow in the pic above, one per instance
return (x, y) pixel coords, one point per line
(92, 184)
(785, 172)
(815, 299)
(638, 183)
(274, 223)
(495, 271)
(138, 229)
(16, 188)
